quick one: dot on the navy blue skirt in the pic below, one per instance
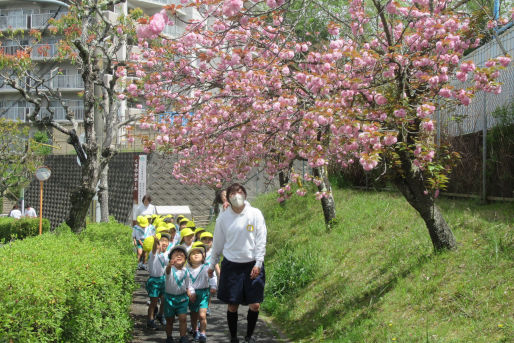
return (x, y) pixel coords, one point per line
(236, 286)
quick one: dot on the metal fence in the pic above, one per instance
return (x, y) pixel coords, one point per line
(463, 120)
(466, 129)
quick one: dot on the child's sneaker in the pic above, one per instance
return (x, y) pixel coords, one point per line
(234, 340)
(196, 335)
(170, 340)
(151, 325)
(183, 339)
(202, 338)
(250, 340)
(161, 319)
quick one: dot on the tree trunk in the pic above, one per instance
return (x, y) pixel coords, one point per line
(327, 202)
(80, 202)
(103, 195)
(283, 179)
(412, 187)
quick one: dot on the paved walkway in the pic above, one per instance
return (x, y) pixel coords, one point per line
(217, 330)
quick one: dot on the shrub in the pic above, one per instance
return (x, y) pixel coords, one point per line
(68, 288)
(11, 228)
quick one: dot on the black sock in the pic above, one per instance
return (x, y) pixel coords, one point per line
(252, 321)
(232, 323)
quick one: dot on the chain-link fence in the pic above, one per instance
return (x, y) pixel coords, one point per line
(468, 130)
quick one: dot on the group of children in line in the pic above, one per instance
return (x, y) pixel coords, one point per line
(177, 261)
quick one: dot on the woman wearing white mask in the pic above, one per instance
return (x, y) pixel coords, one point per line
(240, 235)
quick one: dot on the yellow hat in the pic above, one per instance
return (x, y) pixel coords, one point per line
(186, 232)
(168, 216)
(184, 219)
(199, 229)
(162, 228)
(142, 221)
(148, 242)
(180, 216)
(171, 226)
(206, 234)
(191, 225)
(197, 246)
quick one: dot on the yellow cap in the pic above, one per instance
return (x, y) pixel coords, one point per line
(148, 242)
(184, 219)
(206, 234)
(168, 216)
(162, 228)
(199, 229)
(186, 232)
(171, 226)
(191, 224)
(197, 246)
(142, 221)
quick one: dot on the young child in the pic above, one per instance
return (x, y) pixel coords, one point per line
(198, 232)
(182, 223)
(174, 239)
(203, 286)
(187, 236)
(138, 234)
(157, 261)
(206, 239)
(178, 290)
(178, 219)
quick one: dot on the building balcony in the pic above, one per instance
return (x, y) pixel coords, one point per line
(21, 113)
(67, 82)
(40, 21)
(13, 22)
(60, 113)
(39, 51)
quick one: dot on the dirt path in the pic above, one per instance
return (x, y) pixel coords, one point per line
(217, 330)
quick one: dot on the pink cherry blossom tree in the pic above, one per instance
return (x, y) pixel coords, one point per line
(246, 93)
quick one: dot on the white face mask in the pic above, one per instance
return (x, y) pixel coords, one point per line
(237, 200)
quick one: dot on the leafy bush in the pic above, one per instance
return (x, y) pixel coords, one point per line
(68, 288)
(11, 228)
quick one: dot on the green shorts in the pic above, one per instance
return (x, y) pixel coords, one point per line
(202, 300)
(175, 304)
(138, 246)
(155, 286)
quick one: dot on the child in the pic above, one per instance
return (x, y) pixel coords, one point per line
(198, 232)
(138, 233)
(157, 261)
(187, 236)
(203, 286)
(178, 219)
(174, 239)
(182, 223)
(206, 239)
(178, 290)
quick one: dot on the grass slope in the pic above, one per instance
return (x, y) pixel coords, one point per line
(375, 277)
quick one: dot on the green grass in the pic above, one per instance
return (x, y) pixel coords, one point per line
(375, 277)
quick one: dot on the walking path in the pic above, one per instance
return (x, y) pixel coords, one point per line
(217, 330)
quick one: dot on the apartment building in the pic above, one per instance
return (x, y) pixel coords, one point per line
(35, 14)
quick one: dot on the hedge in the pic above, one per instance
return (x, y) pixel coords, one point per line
(11, 228)
(64, 287)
